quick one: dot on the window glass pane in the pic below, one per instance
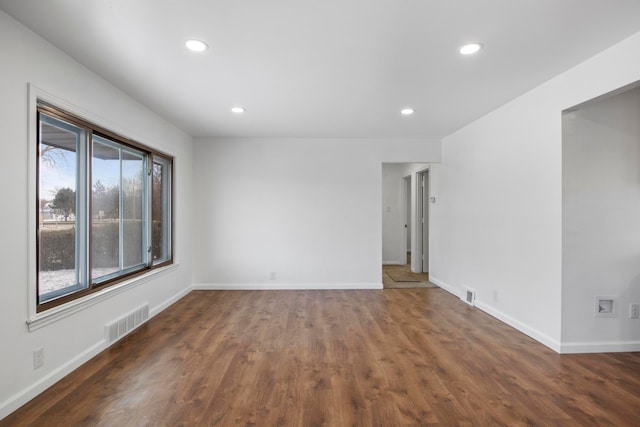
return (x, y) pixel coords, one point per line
(133, 212)
(105, 207)
(161, 210)
(101, 203)
(58, 258)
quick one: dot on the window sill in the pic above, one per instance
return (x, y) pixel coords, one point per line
(60, 312)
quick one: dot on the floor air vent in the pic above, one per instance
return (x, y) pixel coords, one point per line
(127, 323)
(470, 296)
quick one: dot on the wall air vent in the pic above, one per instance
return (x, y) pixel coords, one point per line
(127, 323)
(469, 296)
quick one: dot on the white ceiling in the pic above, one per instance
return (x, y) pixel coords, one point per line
(331, 68)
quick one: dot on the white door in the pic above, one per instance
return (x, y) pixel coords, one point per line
(422, 233)
(425, 222)
(406, 195)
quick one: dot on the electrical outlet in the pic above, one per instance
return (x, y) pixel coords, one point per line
(634, 311)
(272, 276)
(38, 358)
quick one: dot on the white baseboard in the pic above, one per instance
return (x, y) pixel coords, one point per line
(282, 286)
(393, 263)
(599, 347)
(558, 347)
(175, 298)
(514, 323)
(28, 393)
(444, 286)
(17, 400)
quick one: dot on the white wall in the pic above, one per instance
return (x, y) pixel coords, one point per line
(393, 216)
(601, 221)
(498, 214)
(306, 209)
(26, 58)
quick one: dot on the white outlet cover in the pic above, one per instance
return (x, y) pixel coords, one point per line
(606, 306)
(38, 358)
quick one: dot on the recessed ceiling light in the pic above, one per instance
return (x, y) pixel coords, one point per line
(238, 110)
(196, 45)
(407, 111)
(470, 49)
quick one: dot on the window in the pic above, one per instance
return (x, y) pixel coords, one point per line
(104, 208)
(161, 210)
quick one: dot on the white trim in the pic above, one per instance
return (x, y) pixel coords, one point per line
(282, 286)
(17, 400)
(599, 347)
(54, 314)
(514, 323)
(32, 204)
(170, 301)
(393, 263)
(446, 287)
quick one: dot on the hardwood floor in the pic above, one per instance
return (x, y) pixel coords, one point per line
(336, 358)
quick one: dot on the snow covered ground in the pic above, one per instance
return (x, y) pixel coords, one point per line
(58, 279)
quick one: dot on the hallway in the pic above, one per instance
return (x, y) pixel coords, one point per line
(401, 277)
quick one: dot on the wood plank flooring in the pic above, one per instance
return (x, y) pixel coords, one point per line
(336, 358)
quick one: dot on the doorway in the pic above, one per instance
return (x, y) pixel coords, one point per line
(405, 224)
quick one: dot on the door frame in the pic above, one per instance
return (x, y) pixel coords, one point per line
(421, 214)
